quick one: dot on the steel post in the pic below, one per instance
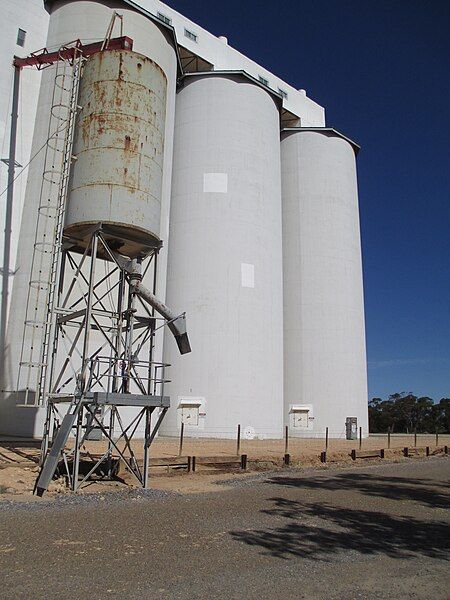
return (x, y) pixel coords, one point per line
(8, 220)
(148, 422)
(76, 454)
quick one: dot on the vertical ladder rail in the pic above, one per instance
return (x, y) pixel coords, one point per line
(49, 322)
(50, 224)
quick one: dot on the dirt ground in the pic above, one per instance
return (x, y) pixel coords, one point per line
(373, 531)
(19, 468)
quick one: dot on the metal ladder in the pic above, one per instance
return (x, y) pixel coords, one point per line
(39, 323)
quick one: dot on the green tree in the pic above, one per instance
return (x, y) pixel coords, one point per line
(405, 412)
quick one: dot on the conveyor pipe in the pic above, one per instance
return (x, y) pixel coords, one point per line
(176, 322)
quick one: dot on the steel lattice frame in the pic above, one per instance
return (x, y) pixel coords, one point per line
(102, 358)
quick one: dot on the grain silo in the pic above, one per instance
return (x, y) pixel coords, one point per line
(259, 244)
(116, 179)
(324, 340)
(225, 266)
(86, 21)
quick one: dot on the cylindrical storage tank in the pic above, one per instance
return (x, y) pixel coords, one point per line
(225, 260)
(325, 379)
(116, 178)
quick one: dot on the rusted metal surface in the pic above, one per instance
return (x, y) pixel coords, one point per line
(116, 176)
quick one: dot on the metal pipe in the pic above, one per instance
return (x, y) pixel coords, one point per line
(176, 323)
(8, 219)
(148, 426)
(87, 318)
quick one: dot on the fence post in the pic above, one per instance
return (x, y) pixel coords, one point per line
(238, 441)
(326, 439)
(286, 439)
(437, 438)
(389, 438)
(180, 450)
(360, 438)
(427, 451)
(415, 438)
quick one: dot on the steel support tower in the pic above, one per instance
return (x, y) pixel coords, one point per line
(101, 359)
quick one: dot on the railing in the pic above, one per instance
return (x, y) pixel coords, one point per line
(110, 374)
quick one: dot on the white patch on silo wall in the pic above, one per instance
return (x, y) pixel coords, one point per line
(247, 275)
(215, 182)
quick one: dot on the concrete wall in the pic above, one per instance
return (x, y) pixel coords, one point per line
(225, 258)
(30, 16)
(324, 338)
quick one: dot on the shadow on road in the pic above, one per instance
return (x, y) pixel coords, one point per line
(423, 491)
(318, 530)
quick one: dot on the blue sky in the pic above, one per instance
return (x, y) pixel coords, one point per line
(382, 71)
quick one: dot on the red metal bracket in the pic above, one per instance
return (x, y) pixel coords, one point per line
(43, 58)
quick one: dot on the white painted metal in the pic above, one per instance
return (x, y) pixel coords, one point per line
(324, 339)
(87, 20)
(228, 127)
(119, 144)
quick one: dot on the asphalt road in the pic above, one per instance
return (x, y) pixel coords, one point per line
(369, 532)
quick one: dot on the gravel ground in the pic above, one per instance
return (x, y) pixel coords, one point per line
(367, 532)
(86, 499)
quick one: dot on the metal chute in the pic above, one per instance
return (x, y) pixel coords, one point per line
(176, 323)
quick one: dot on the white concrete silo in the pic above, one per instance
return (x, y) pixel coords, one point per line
(325, 377)
(88, 21)
(225, 258)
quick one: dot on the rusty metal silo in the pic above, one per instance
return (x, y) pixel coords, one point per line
(116, 178)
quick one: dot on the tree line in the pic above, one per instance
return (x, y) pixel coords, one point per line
(406, 413)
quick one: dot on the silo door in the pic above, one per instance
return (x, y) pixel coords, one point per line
(301, 419)
(189, 415)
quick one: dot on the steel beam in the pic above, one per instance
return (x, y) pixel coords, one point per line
(8, 219)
